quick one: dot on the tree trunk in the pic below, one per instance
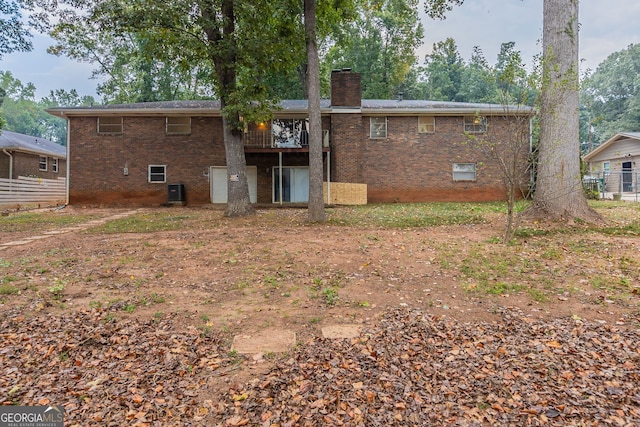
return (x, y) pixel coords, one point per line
(558, 193)
(238, 202)
(316, 194)
(225, 61)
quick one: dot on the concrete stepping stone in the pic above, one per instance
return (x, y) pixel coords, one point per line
(267, 341)
(341, 331)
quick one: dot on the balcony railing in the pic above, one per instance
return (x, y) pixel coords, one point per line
(265, 139)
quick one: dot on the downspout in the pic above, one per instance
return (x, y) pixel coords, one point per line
(329, 177)
(66, 200)
(10, 163)
(280, 175)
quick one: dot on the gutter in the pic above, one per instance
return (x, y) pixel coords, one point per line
(10, 163)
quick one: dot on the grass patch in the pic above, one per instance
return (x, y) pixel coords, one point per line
(35, 222)
(142, 223)
(412, 215)
(8, 290)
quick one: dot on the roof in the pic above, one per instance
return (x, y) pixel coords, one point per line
(368, 106)
(13, 141)
(617, 137)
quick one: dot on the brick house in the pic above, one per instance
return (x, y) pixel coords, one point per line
(399, 150)
(24, 155)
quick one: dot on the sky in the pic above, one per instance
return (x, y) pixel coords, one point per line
(605, 27)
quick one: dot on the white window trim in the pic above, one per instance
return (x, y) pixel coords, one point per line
(164, 174)
(423, 126)
(54, 165)
(475, 124)
(178, 128)
(114, 130)
(460, 171)
(43, 161)
(377, 133)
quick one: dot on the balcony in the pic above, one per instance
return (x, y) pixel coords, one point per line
(258, 140)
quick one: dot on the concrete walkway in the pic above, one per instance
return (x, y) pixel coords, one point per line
(71, 229)
(283, 340)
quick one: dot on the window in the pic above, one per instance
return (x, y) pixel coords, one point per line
(606, 167)
(54, 165)
(426, 124)
(464, 171)
(157, 173)
(43, 163)
(378, 127)
(178, 125)
(475, 124)
(109, 125)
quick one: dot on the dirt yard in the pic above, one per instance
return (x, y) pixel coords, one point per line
(66, 298)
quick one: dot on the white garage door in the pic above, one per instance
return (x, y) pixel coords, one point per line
(218, 175)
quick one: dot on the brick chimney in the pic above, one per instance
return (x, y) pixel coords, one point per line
(345, 89)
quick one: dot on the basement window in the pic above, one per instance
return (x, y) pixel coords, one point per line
(464, 172)
(378, 127)
(157, 173)
(109, 125)
(178, 125)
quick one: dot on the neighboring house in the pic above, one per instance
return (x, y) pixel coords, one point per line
(24, 155)
(401, 150)
(614, 163)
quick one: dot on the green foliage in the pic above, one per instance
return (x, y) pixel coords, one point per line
(409, 215)
(8, 290)
(438, 8)
(14, 37)
(25, 115)
(446, 76)
(142, 223)
(380, 44)
(35, 222)
(611, 97)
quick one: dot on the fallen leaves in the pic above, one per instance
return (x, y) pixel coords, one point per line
(415, 369)
(107, 373)
(407, 368)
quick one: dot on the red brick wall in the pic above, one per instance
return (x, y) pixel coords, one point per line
(408, 166)
(405, 166)
(345, 89)
(347, 139)
(98, 161)
(25, 164)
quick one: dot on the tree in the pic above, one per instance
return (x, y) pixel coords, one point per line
(14, 37)
(26, 115)
(133, 70)
(316, 193)
(235, 40)
(380, 44)
(3, 93)
(611, 96)
(510, 150)
(558, 193)
(443, 72)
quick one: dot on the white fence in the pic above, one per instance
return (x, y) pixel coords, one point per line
(25, 190)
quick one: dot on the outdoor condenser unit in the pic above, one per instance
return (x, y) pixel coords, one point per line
(176, 193)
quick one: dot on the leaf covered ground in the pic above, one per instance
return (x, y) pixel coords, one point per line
(130, 321)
